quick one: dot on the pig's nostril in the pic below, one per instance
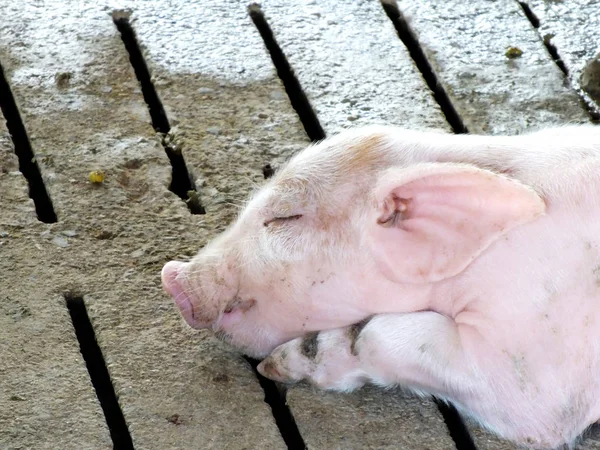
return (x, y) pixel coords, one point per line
(232, 305)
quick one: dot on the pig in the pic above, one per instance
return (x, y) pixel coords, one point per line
(461, 266)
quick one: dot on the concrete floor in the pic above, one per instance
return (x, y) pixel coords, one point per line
(230, 115)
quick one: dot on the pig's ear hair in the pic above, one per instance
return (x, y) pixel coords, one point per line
(431, 220)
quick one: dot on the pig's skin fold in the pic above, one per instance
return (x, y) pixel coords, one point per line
(457, 265)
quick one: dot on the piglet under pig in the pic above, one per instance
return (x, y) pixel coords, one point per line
(458, 265)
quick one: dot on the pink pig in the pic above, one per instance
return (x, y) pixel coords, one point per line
(463, 266)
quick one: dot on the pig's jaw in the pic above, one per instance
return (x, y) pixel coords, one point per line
(257, 335)
(348, 294)
(249, 338)
(391, 297)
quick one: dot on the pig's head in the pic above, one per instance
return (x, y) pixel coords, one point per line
(353, 226)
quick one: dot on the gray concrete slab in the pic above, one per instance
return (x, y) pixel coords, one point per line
(46, 397)
(351, 64)
(228, 109)
(572, 27)
(367, 419)
(84, 112)
(466, 44)
(485, 440)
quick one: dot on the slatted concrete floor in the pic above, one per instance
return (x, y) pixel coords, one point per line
(82, 265)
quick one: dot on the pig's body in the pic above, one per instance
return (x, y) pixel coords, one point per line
(482, 278)
(528, 315)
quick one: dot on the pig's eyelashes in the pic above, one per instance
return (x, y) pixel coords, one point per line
(277, 220)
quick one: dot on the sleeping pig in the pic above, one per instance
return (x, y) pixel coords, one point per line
(462, 266)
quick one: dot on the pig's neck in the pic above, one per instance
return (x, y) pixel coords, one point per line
(390, 297)
(449, 297)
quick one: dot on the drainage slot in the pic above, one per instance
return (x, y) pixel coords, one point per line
(554, 54)
(182, 183)
(282, 414)
(458, 431)
(275, 397)
(411, 43)
(27, 163)
(535, 23)
(157, 111)
(268, 171)
(585, 101)
(297, 97)
(547, 39)
(98, 373)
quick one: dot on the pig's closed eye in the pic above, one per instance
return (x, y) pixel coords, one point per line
(278, 220)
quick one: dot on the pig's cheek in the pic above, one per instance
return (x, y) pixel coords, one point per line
(231, 319)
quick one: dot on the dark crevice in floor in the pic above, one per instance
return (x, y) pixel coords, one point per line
(530, 15)
(22, 146)
(554, 54)
(294, 90)
(410, 41)
(92, 355)
(456, 426)
(588, 105)
(268, 171)
(547, 39)
(275, 398)
(182, 182)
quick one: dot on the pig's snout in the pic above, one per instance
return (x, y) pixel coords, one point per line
(172, 283)
(175, 283)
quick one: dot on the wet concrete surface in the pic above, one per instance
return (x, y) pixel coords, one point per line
(352, 66)
(572, 28)
(466, 44)
(230, 114)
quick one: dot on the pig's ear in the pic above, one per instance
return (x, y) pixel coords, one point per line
(431, 220)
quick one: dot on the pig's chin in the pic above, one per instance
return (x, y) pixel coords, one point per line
(253, 351)
(255, 343)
